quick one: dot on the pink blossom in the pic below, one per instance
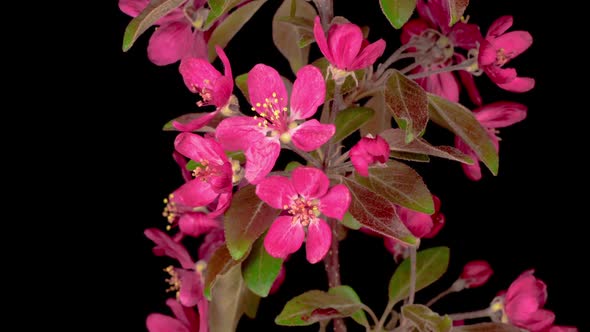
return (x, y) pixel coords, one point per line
(305, 196)
(346, 49)
(369, 151)
(211, 242)
(214, 88)
(523, 302)
(498, 49)
(558, 328)
(185, 319)
(476, 273)
(212, 185)
(260, 137)
(175, 37)
(492, 116)
(278, 281)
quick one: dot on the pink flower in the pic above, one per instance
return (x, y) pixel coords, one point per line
(175, 38)
(213, 87)
(367, 152)
(557, 328)
(523, 302)
(492, 116)
(278, 281)
(185, 319)
(211, 242)
(440, 49)
(346, 49)
(305, 197)
(499, 48)
(212, 184)
(260, 136)
(476, 273)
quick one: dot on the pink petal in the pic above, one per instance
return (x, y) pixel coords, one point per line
(169, 43)
(203, 307)
(465, 35)
(310, 182)
(500, 114)
(519, 84)
(312, 134)
(197, 47)
(320, 38)
(345, 42)
(198, 148)
(265, 83)
(469, 83)
(476, 273)
(281, 278)
(436, 12)
(196, 224)
(557, 328)
(336, 202)
(539, 321)
(444, 85)
(413, 27)
(196, 123)
(319, 238)
(360, 159)
(163, 323)
(212, 241)
(194, 193)
(514, 43)
(239, 133)
(418, 223)
(222, 91)
(499, 26)
(191, 289)
(368, 55)
(261, 158)
(225, 61)
(309, 92)
(376, 147)
(186, 315)
(284, 237)
(165, 246)
(473, 172)
(276, 191)
(487, 54)
(181, 162)
(132, 7)
(223, 203)
(500, 75)
(198, 74)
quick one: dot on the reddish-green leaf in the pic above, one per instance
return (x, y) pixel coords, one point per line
(408, 103)
(246, 220)
(400, 184)
(396, 140)
(459, 120)
(260, 269)
(349, 221)
(217, 9)
(381, 120)
(347, 291)
(186, 118)
(487, 327)
(286, 36)
(349, 120)
(398, 12)
(421, 158)
(228, 28)
(431, 264)
(314, 306)
(376, 212)
(426, 320)
(153, 12)
(218, 265)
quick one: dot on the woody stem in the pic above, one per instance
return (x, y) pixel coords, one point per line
(326, 10)
(332, 264)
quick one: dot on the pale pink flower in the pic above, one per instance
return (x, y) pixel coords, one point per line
(498, 49)
(260, 137)
(369, 151)
(492, 116)
(305, 196)
(185, 319)
(476, 273)
(346, 49)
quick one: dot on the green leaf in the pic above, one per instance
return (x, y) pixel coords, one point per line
(349, 221)
(230, 298)
(400, 184)
(219, 264)
(425, 320)
(236, 155)
(251, 303)
(431, 264)
(186, 118)
(408, 103)
(456, 9)
(153, 12)
(459, 120)
(381, 120)
(486, 327)
(292, 165)
(347, 291)
(376, 212)
(398, 12)
(286, 36)
(260, 269)
(396, 141)
(409, 156)
(191, 165)
(246, 220)
(217, 9)
(349, 120)
(315, 306)
(228, 28)
(348, 85)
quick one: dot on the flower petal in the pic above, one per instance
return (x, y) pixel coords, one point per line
(469, 83)
(191, 288)
(239, 133)
(212, 241)
(265, 83)
(500, 75)
(312, 134)
(443, 84)
(309, 92)
(310, 182)
(196, 122)
(499, 26)
(261, 158)
(418, 223)
(540, 320)
(368, 55)
(320, 38)
(194, 193)
(319, 238)
(165, 246)
(169, 43)
(487, 54)
(336, 202)
(473, 172)
(186, 315)
(132, 7)
(276, 191)
(345, 42)
(163, 323)
(500, 114)
(284, 237)
(198, 74)
(196, 224)
(198, 148)
(222, 91)
(413, 27)
(465, 35)
(513, 43)
(223, 57)
(519, 84)
(197, 46)
(181, 162)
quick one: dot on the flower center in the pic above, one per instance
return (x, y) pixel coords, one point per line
(173, 211)
(271, 114)
(502, 57)
(173, 281)
(205, 93)
(303, 211)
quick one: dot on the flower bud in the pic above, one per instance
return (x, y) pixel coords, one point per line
(476, 273)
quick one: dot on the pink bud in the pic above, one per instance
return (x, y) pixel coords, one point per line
(278, 281)
(476, 273)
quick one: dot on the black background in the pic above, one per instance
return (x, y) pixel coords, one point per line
(531, 215)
